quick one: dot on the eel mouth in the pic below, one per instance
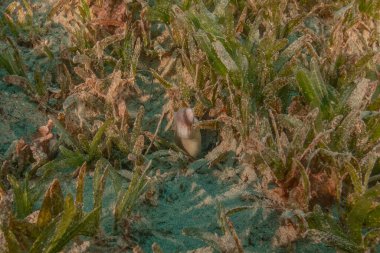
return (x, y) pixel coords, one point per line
(184, 119)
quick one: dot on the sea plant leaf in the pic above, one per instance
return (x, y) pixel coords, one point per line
(52, 204)
(359, 213)
(99, 181)
(127, 198)
(80, 186)
(21, 191)
(137, 127)
(161, 80)
(94, 145)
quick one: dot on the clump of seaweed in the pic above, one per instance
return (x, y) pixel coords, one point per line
(277, 75)
(57, 222)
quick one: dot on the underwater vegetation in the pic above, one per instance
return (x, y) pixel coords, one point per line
(286, 95)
